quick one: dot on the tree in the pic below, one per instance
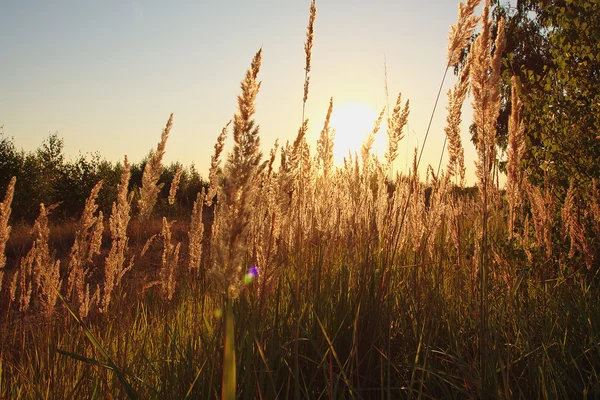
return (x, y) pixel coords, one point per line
(553, 48)
(10, 160)
(562, 103)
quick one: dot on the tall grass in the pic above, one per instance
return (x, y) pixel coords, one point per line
(306, 280)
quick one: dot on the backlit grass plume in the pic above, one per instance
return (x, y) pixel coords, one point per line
(88, 240)
(237, 190)
(215, 165)
(150, 187)
(115, 268)
(456, 98)
(325, 143)
(516, 149)
(365, 149)
(45, 269)
(461, 32)
(196, 232)
(485, 86)
(308, 45)
(395, 126)
(4, 227)
(170, 259)
(174, 186)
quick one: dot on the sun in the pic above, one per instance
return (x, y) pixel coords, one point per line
(353, 121)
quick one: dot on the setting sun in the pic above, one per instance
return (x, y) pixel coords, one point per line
(353, 121)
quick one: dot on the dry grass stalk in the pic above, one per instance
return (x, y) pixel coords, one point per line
(272, 156)
(26, 281)
(88, 239)
(40, 265)
(456, 98)
(5, 209)
(152, 170)
(573, 229)
(170, 258)
(395, 126)
(114, 267)
(237, 190)
(486, 95)
(461, 32)
(368, 143)
(308, 45)
(541, 211)
(175, 186)
(196, 232)
(516, 148)
(147, 245)
(12, 288)
(325, 143)
(416, 212)
(215, 163)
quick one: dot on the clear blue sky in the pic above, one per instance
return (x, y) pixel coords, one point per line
(106, 74)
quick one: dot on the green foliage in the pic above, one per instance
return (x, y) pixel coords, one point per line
(562, 102)
(46, 176)
(553, 47)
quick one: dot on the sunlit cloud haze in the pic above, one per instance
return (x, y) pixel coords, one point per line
(106, 74)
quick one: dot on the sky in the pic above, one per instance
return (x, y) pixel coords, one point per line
(106, 74)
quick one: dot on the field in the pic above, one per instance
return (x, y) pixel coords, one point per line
(290, 277)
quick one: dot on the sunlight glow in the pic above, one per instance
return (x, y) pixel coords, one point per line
(353, 121)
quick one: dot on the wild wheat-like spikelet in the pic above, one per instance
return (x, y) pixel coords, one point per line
(170, 258)
(265, 228)
(308, 45)
(486, 95)
(516, 148)
(114, 268)
(40, 249)
(152, 170)
(461, 32)
(456, 98)
(456, 211)
(43, 267)
(215, 163)
(297, 147)
(365, 149)
(416, 212)
(271, 161)
(524, 240)
(5, 209)
(96, 237)
(383, 203)
(541, 211)
(237, 190)
(325, 143)
(572, 227)
(52, 282)
(87, 243)
(147, 245)
(26, 280)
(85, 307)
(292, 169)
(394, 129)
(12, 288)
(438, 209)
(175, 186)
(307, 169)
(196, 232)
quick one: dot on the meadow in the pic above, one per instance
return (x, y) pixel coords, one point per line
(291, 277)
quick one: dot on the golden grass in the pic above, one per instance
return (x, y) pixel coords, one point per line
(306, 280)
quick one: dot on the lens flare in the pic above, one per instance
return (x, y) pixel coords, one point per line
(251, 274)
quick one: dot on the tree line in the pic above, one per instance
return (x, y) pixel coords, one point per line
(45, 175)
